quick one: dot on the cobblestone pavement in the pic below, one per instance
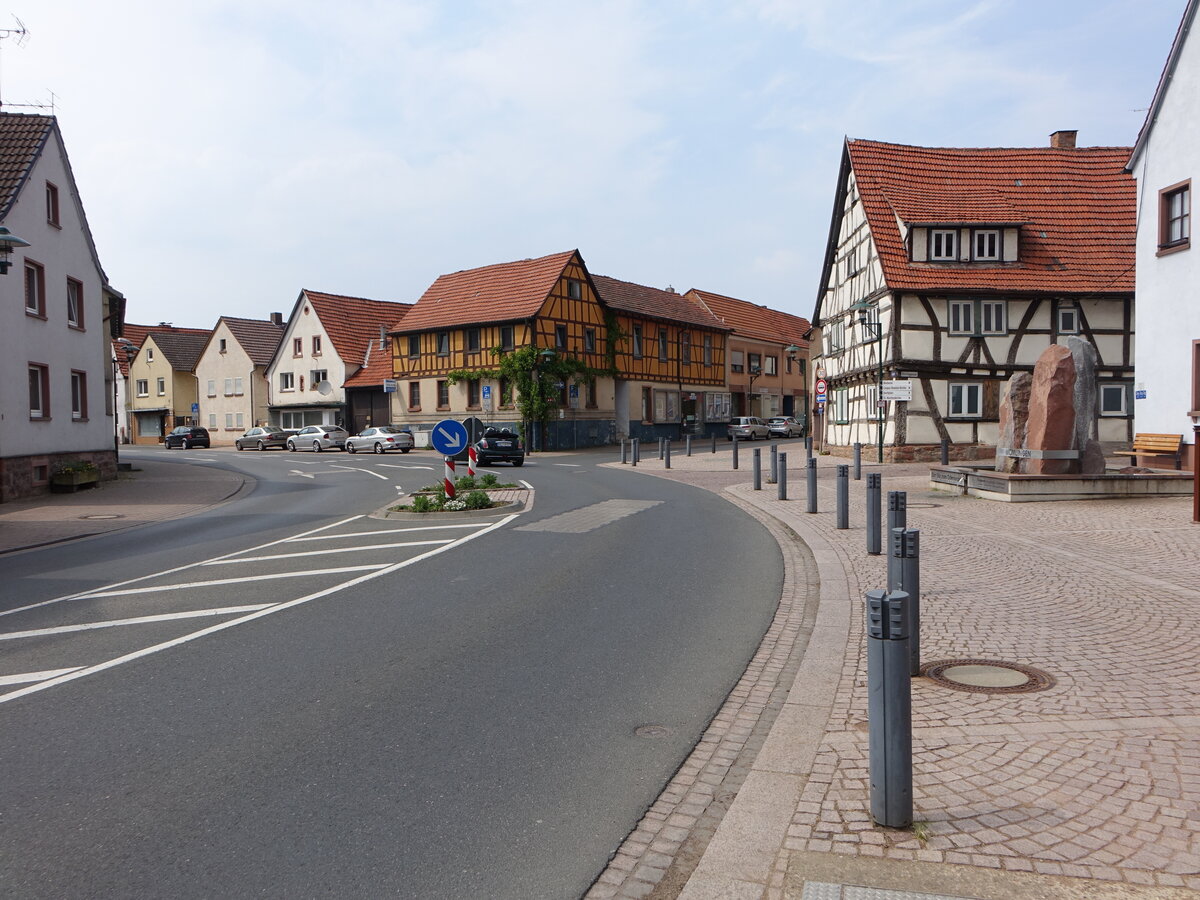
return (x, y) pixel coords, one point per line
(1089, 788)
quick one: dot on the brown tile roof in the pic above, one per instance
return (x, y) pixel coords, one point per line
(503, 292)
(353, 322)
(1076, 205)
(22, 138)
(260, 339)
(752, 320)
(639, 300)
(136, 334)
(378, 367)
(181, 350)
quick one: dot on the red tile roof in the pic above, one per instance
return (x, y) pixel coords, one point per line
(22, 138)
(504, 292)
(136, 334)
(353, 322)
(753, 321)
(378, 367)
(639, 300)
(1076, 206)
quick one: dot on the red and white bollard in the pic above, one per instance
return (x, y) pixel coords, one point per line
(472, 460)
(448, 478)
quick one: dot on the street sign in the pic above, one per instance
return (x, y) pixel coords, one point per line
(573, 397)
(487, 392)
(896, 389)
(822, 385)
(1139, 395)
(195, 409)
(389, 385)
(448, 437)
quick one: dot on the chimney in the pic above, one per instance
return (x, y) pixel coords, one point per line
(670, 289)
(382, 337)
(1063, 140)
(277, 319)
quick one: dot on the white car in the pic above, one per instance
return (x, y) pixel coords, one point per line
(381, 439)
(318, 438)
(747, 428)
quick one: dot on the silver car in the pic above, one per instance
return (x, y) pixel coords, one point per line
(318, 438)
(262, 437)
(381, 439)
(785, 426)
(747, 428)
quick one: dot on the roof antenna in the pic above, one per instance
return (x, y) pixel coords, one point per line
(21, 33)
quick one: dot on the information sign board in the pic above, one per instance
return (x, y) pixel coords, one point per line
(896, 389)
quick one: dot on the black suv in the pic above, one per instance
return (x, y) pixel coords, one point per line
(499, 445)
(187, 436)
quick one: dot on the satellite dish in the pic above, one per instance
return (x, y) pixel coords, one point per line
(324, 388)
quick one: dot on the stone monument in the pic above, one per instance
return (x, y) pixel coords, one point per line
(1048, 421)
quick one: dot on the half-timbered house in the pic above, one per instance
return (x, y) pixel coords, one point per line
(670, 359)
(465, 319)
(948, 270)
(768, 356)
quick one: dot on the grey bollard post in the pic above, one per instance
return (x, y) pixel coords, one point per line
(668, 456)
(781, 480)
(635, 451)
(945, 452)
(857, 461)
(735, 451)
(688, 445)
(624, 453)
(757, 469)
(661, 444)
(904, 574)
(714, 437)
(889, 709)
(808, 445)
(843, 497)
(874, 513)
(773, 475)
(897, 510)
(812, 485)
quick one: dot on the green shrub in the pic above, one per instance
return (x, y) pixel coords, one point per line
(478, 500)
(488, 480)
(465, 483)
(424, 503)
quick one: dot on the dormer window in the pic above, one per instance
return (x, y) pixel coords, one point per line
(985, 245)
(943, 244)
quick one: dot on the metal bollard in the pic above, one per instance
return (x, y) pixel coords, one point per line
(636, 451)
(781, 482)
(889, 708)
(808, 445)
(945, 452)
(897, 510)
(904, 574)
(688, 445)
(757, 469)
(668, 456)
(857, 461)
(624, 453)
(661, 443)
(812, 485)
(874, 513)
(843, 498)
(735, 451)
(774, 473)
(714, 449)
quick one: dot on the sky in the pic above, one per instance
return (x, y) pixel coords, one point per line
(230, 154)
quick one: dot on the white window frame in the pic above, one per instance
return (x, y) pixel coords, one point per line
(840, 408)
(997, 311)
(212, 420)
(74, 303)
(228, 387)
(943, 244)
(287, 381)
(241, 420)
(980, 240)
(142, 387)
(969, 396)
(1110, 390)
(1068, 319)
(316, 376)
(237, 386)
(39, 399)
(160, 385)
(961, 317)
(78, 395)
(770, 365)
(228, 420)
(212, 387)
(970, 318)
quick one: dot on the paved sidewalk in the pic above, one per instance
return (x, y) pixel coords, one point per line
(152, 492)
(1089, 788)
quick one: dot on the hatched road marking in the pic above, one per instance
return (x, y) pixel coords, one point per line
(589, 518)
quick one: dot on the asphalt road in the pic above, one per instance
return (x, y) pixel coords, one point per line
(462, 722)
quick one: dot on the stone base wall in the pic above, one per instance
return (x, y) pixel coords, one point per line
(907, 453)
(19, 475)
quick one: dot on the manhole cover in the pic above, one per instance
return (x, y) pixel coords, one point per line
(652, 731)
(987, 676)
(912, 505)
(103, 516)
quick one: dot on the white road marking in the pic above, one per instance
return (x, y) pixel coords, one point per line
(207, 459)
(568, 465)
(528, 486)
(301, 474)
(26, 677)
(395, 466)
(244, 559)
(183, 568)
(140, 620)
(356, 469)
(231, 623)
(355, 534)
(194, 584)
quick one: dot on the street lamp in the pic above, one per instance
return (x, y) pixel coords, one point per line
(8, 242)
(755, 374)
(875, 328)
(791, 350)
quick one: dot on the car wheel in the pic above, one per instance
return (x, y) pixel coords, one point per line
(316, 446)
(261, 446)
(350, 448)
(292, 446)
(238, 444)
(405, 449)
(185, 445)
(378, 447)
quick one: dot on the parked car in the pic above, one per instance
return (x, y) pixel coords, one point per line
(381, 439)
(747, 428)
(187, 436)
(318, 438)
(499, 445)
(784, 426)
(262, 437)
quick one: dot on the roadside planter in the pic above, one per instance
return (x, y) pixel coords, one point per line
(72, 476)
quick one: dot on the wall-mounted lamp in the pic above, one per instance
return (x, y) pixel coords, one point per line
(8, 242)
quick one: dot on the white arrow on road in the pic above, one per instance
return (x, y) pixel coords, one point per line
(301, 474)
(453, 441)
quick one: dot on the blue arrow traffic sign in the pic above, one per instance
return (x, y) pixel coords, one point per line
(448, 437)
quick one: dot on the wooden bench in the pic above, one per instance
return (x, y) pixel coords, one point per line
(1157, 445)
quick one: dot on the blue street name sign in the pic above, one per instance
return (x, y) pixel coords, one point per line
(448, 437)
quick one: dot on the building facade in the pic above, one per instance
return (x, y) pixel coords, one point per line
(165, 394)
(231, 375)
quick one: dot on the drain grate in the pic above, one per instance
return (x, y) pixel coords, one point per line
(652, 731)
(103, 516)
(987, 676)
